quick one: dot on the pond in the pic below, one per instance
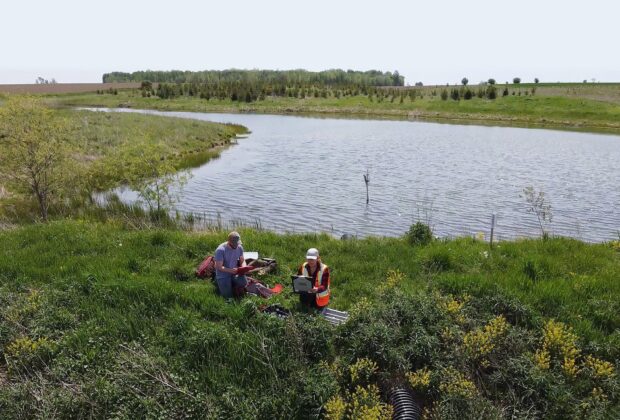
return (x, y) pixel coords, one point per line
(305, 174)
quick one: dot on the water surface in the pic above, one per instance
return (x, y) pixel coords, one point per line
(303, 174)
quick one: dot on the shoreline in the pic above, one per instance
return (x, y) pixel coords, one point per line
(488, 120)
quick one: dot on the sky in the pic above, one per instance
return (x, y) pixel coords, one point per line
(435, 42)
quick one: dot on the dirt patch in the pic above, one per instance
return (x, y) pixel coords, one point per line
(65, 87)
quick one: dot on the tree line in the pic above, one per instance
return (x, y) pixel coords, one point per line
(299, 78)
(247, 92)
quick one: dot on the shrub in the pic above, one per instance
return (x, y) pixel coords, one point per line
(419, 234)
(491, 81)
(516, 80)
(491, 92)
(444, 95)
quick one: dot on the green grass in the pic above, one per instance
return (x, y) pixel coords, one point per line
(187, 142)
(594, 107)
(128, 331)
(102, 140)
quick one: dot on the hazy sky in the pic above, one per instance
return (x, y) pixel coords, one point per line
(436, 41)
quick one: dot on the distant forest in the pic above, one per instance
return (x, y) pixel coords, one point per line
(261, 78)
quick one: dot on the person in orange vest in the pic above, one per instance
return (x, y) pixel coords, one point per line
(318, 296)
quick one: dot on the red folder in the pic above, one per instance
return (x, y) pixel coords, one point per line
(243, 270)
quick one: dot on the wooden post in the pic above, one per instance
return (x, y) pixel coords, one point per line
(492, 228)
(367, 181)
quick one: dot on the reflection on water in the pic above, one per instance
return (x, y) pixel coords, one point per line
(298, 174)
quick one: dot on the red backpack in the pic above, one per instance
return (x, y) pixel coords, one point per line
(206, 269)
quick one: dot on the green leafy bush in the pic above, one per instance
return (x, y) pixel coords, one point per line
(419, 234)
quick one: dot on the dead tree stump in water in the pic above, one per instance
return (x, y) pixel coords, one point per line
(367, 181)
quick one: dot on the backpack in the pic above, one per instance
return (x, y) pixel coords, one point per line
(206, 269)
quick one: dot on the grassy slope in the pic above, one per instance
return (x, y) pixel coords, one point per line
(551, 106)
(123, 309)
(99, 136)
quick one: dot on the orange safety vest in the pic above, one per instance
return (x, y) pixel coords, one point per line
(322, 298)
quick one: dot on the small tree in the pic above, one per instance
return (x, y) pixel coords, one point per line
(537, 204)
(491, 92)
(536, 80)
(516, 80)
(464, 81)
(153, 176)
(491, 81)
(36, 148)
(444, 95)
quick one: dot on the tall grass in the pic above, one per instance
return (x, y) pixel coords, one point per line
(117, 325)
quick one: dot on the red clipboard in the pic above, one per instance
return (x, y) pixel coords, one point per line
(244, 270)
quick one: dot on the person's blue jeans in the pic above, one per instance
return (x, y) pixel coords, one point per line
(226, 281)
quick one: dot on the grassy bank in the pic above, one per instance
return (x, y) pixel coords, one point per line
(100, 321)
(573, 106)
(101, 145)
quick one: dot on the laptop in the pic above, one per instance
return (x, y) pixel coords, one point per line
(301, 284)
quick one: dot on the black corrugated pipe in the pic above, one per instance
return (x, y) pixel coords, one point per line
(405, 406)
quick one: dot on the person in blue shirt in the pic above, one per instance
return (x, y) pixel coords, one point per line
(228, 258)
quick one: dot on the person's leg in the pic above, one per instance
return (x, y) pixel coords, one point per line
(224, 284)
(238, 285)
(239, 281)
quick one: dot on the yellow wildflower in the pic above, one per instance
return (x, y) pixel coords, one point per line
(25, 346)
(569, 366)
(480, 342)
(542, 358)
(362, 370)
(600, 368)
(455, 384)
(336, 408)
(420, 379)
(394, 278)
(366, 404)
(560, 340)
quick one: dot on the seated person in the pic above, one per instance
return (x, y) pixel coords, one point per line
(228, 257)
(318, 296)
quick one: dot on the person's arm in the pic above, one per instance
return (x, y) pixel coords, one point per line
(241, 262)
(219, 266)
(300, 270)
(324, 281)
